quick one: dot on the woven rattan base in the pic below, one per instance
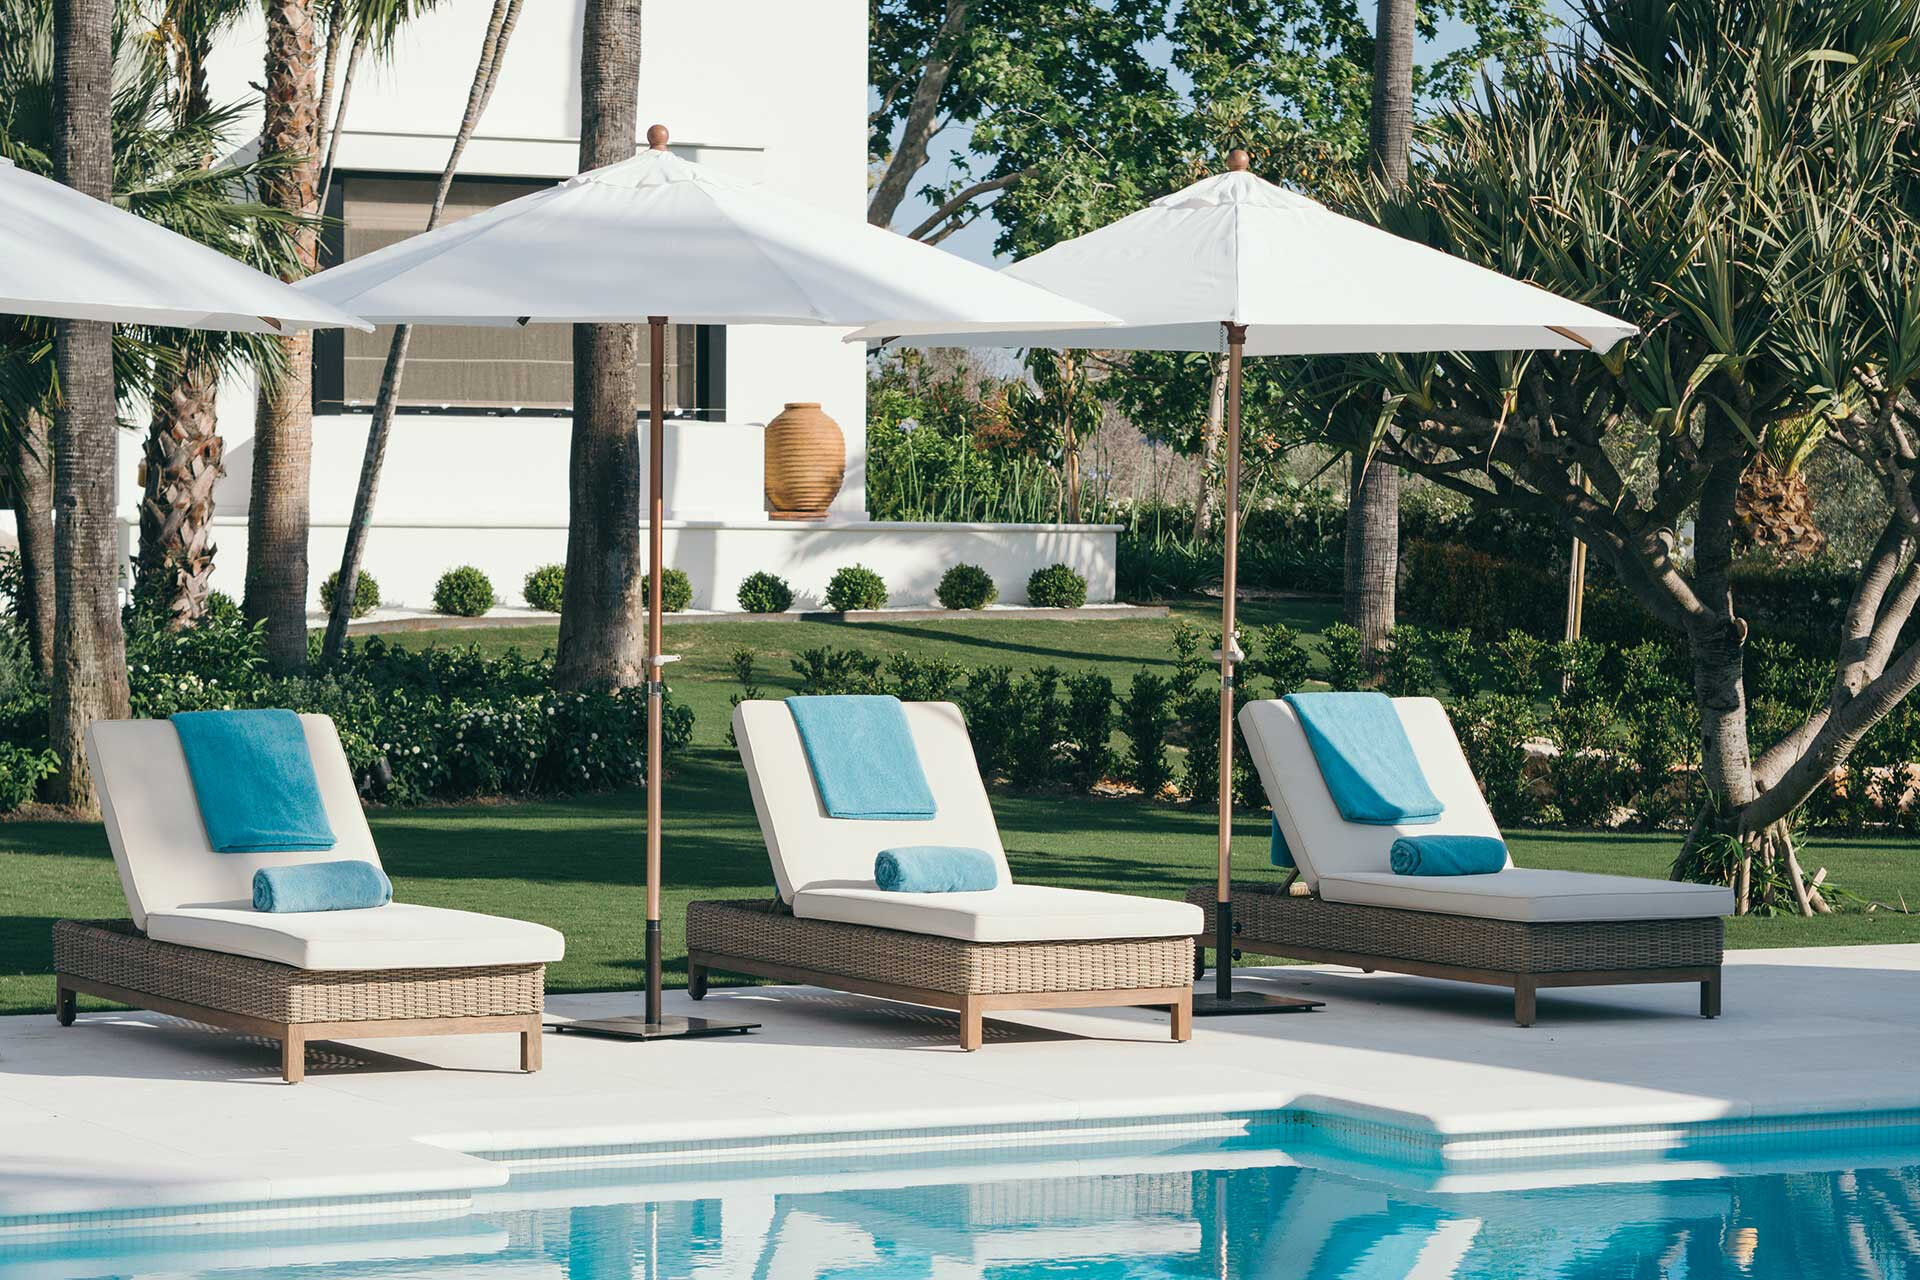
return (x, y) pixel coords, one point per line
(1525, 956)
(113, 960)
(766, 940)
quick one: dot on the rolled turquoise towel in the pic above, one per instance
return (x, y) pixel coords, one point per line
(935, 868)
(1448, 855)
(350, 885)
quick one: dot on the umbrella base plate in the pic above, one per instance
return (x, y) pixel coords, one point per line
(1210, 1005)
(638, 1028)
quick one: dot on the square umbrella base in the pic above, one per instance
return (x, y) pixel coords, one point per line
(638, 1028)
(1210, 1005)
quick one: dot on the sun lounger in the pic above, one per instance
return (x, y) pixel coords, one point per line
(1519, 928)
(196, 948)
(1012, 947)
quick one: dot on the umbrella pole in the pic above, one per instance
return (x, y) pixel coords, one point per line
(1224, 999)
(656, 689)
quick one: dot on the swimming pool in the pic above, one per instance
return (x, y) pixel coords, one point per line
(1137, 1210)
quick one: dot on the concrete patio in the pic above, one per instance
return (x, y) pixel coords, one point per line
(140, 1112)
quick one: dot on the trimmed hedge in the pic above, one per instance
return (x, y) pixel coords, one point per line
(856, 587)
(676, 589)
(464, 592)
(765, 592)
(966, 586)
(1056, 587)
(366, 593)
(545, 588)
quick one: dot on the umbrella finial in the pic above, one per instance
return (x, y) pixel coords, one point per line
(1238, 161)
(657, 137)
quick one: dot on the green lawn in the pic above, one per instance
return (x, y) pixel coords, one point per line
(575, 864)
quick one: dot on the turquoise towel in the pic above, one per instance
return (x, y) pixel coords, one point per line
(1277, 851)
(351, 885)
(1448, 855)
(862, 756)
(935, 868)
(1365, 758)
(253, 777)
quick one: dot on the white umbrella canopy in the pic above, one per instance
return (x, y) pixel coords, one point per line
(661, 236)
(67, 256)
(1237, 249)
(1235, 263)
(657, 238)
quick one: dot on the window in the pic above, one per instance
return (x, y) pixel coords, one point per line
(483, 369)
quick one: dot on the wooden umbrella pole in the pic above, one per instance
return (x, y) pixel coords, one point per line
(1229, 652)
(656, 688)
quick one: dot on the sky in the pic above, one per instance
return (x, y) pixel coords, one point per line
(976, 242)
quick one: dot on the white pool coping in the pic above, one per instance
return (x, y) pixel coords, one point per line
(142, 1114)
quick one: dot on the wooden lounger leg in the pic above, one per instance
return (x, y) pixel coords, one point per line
(972, 1024)
(1710, 996)
(293, 1055)
(1523, 1001)
(65, 1005)
(530, 1044)
(696, 981)
(1183, 1017)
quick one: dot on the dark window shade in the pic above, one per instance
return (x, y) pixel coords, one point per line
(462, 367)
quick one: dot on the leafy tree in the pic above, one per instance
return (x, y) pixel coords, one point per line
(1056, 414)
(1738, 179)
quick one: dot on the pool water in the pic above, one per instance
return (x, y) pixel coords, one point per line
(1207, 1211)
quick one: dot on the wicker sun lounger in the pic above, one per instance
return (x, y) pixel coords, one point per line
(1013, 947)
(196, 949)
(1519, 928)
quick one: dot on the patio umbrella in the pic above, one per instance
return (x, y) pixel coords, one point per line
(68, 256)
(1236, 262)
(658, 237)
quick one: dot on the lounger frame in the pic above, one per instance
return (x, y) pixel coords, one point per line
(115, 961)
(765, 939)
(1269, 920)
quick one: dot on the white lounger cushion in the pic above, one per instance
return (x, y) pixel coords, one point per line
(1013, 913)
(1532, 896)
(396, 936)
(1324, 843)
(810, 849)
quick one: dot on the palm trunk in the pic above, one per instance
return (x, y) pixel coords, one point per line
(1373, 501)
(486, 74)
(277, 516)
(89, 651)
(600, 632)
(339, 119)
(183, 463)
(32, 470)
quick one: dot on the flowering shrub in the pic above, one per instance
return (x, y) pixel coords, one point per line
(21, 771)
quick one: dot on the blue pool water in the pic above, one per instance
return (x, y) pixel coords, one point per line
(1216, 1209)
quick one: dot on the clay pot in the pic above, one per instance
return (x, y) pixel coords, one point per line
(806, 461)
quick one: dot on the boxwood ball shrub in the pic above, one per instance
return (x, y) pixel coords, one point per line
(966, 586)
(1056, 587)
(545, 587)
(856, 587)
(464, 592)
(676, 589)
(765, 592)
(366, 593)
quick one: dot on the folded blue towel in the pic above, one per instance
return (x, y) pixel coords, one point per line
(1365, 758)
(350, 885)
(862, 756)
(935, 868)
(1448, 855)
(253, 776)
(1277, 851)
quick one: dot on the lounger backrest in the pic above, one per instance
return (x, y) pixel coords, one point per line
(153, 820)
(811, 850)
(1324, 843)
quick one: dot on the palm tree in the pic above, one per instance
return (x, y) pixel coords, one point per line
(1373, 494)
(600, 614)
(486, 74)
(89, 651)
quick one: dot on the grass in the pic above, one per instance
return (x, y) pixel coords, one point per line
(576, 864)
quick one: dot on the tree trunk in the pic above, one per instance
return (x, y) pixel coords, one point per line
(486, 74)
(1209, 445)
(33, 522)
(89, 651)
(1373, 501)
(277, 516)
(183, 463)
(339, 122)
(600, 613)
(923, 117)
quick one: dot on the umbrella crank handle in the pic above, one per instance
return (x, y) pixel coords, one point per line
(656, 682)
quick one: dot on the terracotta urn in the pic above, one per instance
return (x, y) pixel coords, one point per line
(806, 461)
